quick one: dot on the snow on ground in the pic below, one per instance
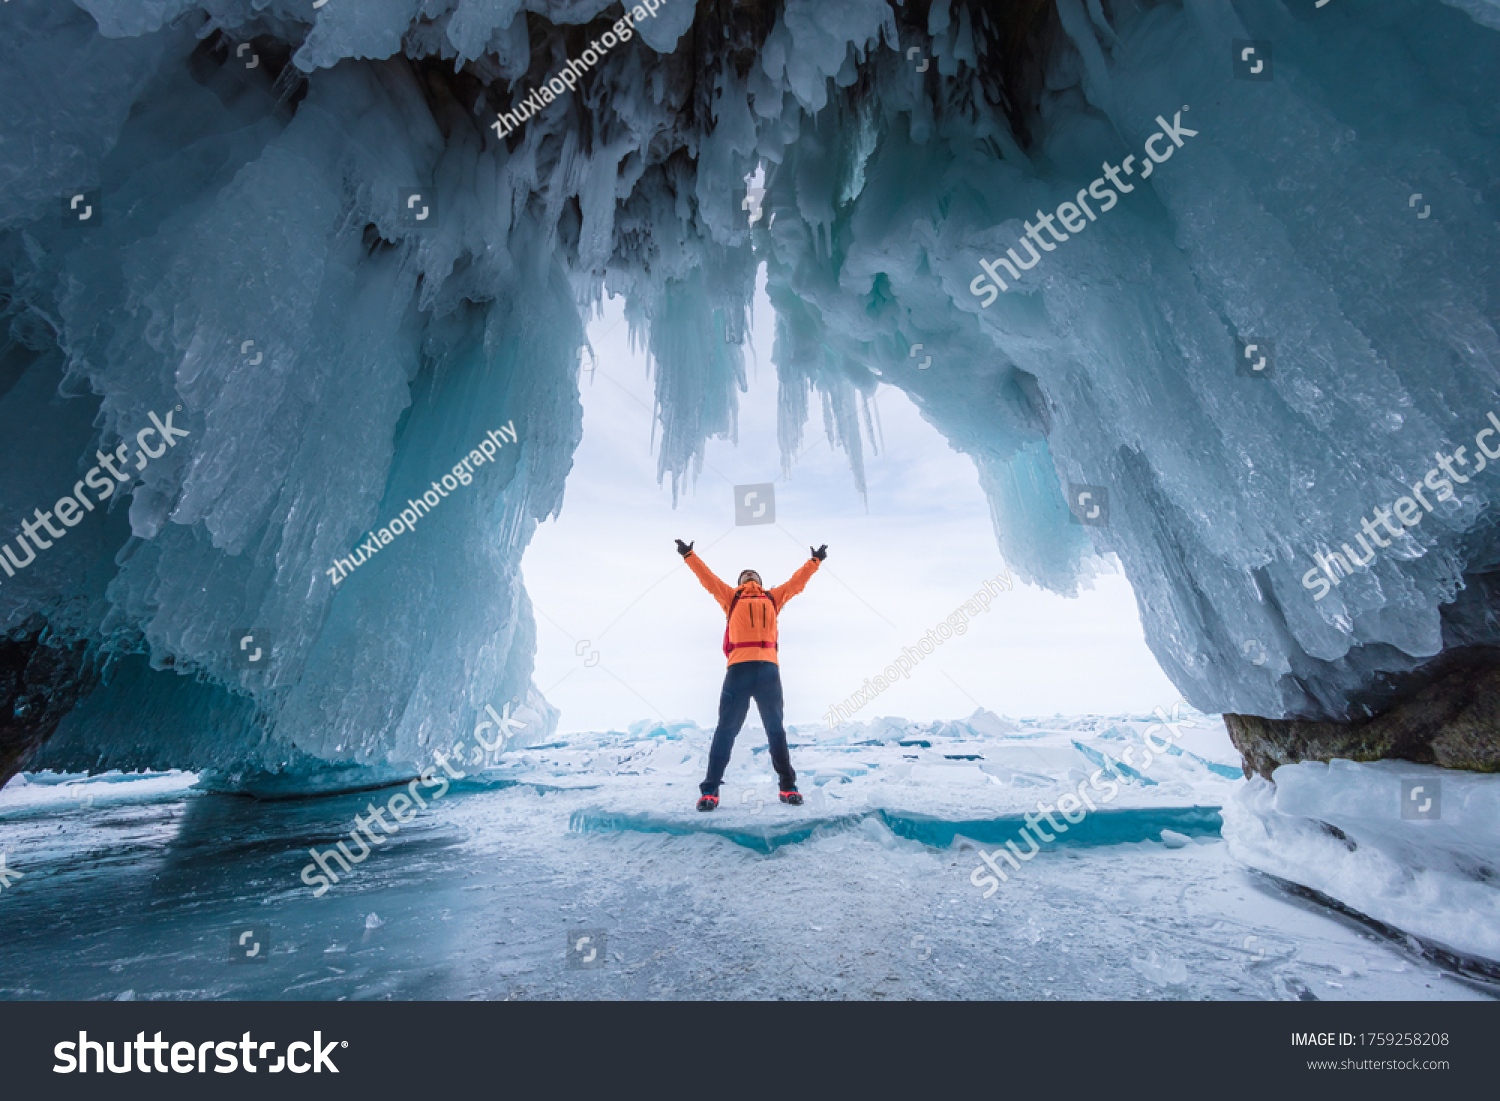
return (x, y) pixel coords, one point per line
(481, 893)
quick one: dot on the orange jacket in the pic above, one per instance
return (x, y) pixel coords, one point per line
(754, 619)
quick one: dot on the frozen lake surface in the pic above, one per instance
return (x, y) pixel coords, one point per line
(143, 887)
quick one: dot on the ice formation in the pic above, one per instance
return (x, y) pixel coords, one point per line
(1339, 829)
(306, 235)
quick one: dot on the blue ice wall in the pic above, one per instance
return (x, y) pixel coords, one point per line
(1290, 218)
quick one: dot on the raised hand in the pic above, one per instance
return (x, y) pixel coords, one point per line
(685, 549)
(821, 553)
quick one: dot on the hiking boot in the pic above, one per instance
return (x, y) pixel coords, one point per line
(709, 802)
(792, 798)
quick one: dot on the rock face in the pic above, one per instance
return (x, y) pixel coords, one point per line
(40, 682)
(1450, 723)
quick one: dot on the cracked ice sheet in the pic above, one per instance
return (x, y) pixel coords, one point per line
(476, 896)
(965, 771)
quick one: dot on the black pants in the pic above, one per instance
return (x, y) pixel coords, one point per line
(744, 681)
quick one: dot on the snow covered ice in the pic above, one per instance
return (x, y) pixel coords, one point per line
(476, 898)
(1432, 877)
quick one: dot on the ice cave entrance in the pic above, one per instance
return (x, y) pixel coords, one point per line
(626, 633)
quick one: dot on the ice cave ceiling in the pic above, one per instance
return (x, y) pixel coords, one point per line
(254, 267)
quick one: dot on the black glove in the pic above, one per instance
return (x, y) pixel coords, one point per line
(821, 553)
(685, 549)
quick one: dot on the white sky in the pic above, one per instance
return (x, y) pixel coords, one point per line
(607, 571)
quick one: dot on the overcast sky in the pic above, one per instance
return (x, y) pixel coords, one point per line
(606, 573)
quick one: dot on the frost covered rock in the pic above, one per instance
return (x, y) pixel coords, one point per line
(1451, 722)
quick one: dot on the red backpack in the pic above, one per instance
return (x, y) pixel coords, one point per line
(731, 647)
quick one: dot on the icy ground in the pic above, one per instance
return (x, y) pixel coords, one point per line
(139, 887)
